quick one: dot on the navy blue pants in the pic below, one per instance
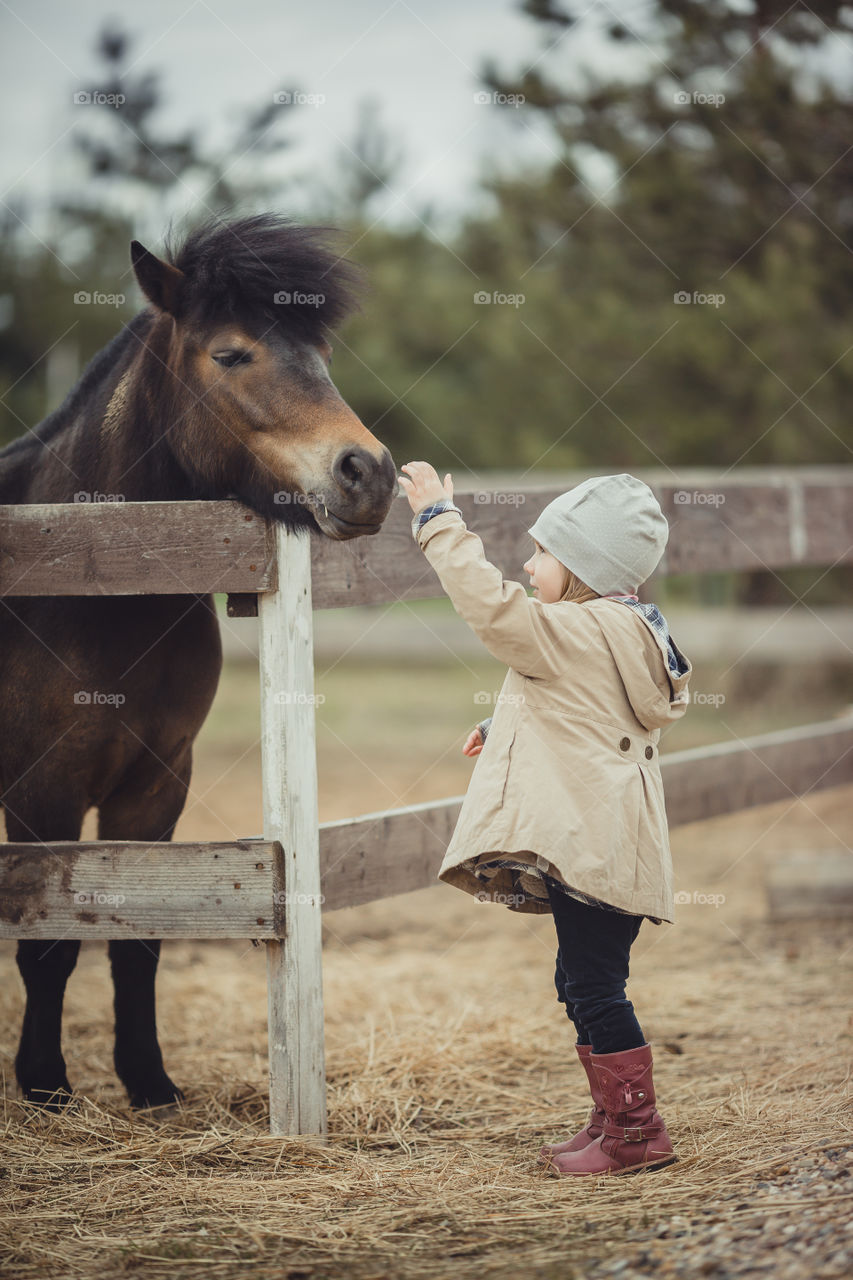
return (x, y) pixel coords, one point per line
(592, 970)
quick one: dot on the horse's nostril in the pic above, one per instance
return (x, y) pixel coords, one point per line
(353, 469)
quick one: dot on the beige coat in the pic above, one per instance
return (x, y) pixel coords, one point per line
(570, 767)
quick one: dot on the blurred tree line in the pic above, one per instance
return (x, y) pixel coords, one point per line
(691, 308)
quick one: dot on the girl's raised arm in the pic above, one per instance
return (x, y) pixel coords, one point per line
(515, 628)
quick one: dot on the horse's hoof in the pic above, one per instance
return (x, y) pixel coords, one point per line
(54, 1098)
(160, 1093)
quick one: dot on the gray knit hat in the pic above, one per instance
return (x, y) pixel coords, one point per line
(609, 530)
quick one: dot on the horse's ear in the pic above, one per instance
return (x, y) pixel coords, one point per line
(159, 281)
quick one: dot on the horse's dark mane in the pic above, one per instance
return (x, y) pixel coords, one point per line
(100, 365)
(236, 269)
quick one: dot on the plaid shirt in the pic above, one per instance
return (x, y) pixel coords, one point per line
(426, 513)
(528, 880)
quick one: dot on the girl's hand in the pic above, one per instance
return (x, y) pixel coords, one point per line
(473, 743)
(422, 485)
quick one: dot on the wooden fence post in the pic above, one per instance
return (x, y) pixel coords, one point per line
(289, 767)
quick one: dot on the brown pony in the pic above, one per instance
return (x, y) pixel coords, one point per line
(219, 388)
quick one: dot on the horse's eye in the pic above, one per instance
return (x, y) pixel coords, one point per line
(228, 359)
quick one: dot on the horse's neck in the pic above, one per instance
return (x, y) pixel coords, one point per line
(124, 452)
(110, 446)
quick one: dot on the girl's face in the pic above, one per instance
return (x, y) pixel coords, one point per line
(547, 575)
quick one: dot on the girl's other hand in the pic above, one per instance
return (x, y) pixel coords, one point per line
(473, 743)
(422, 485)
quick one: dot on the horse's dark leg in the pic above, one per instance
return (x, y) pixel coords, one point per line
(45, 967)
(39, 1064)
(137, 1057)
(133, 814)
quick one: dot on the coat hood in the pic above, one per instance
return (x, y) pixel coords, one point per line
(655, 673)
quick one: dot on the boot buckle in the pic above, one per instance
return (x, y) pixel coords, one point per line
(633, 1135)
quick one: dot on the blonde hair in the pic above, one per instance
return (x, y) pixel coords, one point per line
(575, 591)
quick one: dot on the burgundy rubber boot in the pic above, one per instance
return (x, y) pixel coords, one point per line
(596, 1116)
(633, 1134)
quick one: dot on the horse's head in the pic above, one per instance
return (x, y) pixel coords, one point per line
(240, 350)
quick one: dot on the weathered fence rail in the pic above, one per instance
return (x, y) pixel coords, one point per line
(272, 888)
(175, 548)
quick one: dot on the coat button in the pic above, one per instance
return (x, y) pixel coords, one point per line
(650, 751)
(625, 744)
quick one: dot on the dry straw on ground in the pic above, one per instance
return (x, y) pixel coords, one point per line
(449, 1062)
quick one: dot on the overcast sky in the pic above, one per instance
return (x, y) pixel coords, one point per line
(421, 60)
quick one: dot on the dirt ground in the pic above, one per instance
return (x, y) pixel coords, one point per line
(449, 1062)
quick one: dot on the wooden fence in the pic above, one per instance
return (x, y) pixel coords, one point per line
(273, 888)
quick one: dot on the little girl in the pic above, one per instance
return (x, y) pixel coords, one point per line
(565, 809)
